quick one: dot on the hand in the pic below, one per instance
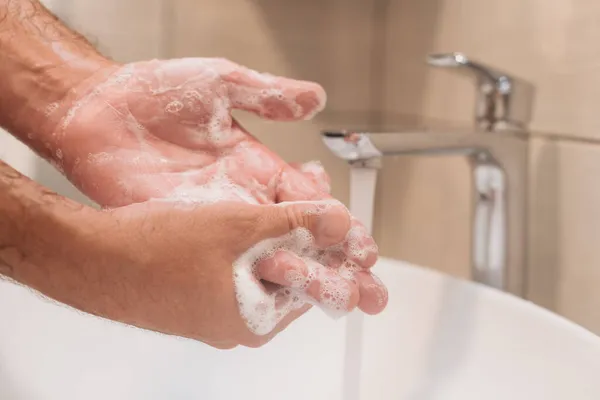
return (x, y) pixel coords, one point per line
(168, 268)
(163, 130)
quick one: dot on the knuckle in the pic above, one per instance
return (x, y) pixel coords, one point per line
(291, 216)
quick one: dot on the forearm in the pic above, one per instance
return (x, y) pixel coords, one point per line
(67, 251)
(36, 226)
(42, 64)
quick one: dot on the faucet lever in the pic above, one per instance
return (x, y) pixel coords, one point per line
(503, 101)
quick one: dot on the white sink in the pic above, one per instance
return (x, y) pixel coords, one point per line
(439, 338)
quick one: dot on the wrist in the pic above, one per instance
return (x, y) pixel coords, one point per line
(34, 94)
(71, 253)
(38, 234)
(38, 96)
(43, 65)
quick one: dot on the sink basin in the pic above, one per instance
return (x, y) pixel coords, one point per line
(439, 338)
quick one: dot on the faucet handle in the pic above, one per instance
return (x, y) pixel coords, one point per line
(503, 101)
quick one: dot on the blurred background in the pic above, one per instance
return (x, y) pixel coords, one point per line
(370, 56)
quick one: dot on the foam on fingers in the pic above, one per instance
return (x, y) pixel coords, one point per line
(284, 268)
(273, 97)
(373, 293)
(360, 246)
(335, 294)
(306, 277)
(297, 262)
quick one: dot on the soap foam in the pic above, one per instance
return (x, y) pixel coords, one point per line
(357, 249)
(262, 310)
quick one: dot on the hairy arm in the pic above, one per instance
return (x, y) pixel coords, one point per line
(40, 236)
(41, 62)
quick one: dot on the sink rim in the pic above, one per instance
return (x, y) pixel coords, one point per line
(504, 298)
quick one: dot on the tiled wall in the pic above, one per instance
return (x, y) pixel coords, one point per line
(369, 55)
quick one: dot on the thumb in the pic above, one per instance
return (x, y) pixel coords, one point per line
(273, 97)
(328, 221)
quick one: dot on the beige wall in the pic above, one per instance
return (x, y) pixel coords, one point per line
(369, 55)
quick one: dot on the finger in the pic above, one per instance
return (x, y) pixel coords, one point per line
(321, 284)
(327, 221)
(272, 97)
(373, 294)
(333, 291)
(333, 258)
(315, 173)
(285, 269)
(360, 246)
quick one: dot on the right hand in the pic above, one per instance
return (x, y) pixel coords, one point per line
(168, 267)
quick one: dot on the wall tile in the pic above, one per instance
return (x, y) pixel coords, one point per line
(423, 212)
(565, 227)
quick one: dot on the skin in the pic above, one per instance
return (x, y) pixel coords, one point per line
(154, 142)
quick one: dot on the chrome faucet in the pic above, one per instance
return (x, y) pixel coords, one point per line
(497, 148)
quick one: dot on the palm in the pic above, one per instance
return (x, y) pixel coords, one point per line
(164, 130)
